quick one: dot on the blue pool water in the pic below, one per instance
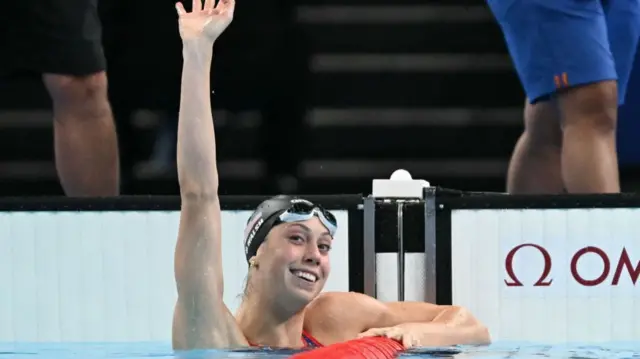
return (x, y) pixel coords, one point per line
(511, 350)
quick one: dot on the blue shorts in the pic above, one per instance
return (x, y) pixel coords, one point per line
(556, 44)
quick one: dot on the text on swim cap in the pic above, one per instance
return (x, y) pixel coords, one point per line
(252, 234)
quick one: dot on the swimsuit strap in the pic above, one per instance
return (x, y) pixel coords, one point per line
(310, 341)
(307, 339)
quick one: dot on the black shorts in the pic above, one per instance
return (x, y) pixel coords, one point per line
(51, 36)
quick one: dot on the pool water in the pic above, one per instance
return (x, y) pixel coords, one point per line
(512, 350)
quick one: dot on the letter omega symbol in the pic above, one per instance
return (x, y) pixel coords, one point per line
(508, 264)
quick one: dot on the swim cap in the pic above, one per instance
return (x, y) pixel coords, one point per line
(282, 209)
(261, 222)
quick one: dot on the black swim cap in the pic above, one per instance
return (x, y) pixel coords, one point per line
(261, 222)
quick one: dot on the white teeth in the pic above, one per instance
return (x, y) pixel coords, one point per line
(305, 275)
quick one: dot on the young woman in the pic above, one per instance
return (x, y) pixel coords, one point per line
(287, 243)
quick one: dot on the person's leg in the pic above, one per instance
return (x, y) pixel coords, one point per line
(561, 51)
(589, 158)
(86, 149)
(587, 99)
(590, 111)
(535, 166)
(73, 66)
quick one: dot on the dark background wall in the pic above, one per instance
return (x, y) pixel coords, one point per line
(310, 97)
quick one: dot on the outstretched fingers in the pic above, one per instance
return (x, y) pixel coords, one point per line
(180, 9)
(197, 6)
(226, 6)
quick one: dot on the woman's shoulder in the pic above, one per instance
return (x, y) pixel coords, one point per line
(347, 300)
(337, 316)
(326, 302)
(324, 310)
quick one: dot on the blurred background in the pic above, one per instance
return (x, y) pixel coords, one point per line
(310, 97)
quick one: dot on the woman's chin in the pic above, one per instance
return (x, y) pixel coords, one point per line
(301, 295)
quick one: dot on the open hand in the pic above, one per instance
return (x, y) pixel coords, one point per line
(205, 22)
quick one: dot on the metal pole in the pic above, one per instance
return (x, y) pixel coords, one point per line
(400, 251)
(369, 247)
(430, 250)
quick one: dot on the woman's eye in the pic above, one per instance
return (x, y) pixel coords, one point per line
(324, 247)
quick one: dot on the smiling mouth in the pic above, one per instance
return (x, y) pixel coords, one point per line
(305, 276)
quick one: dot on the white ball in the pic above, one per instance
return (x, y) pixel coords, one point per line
(401, 175)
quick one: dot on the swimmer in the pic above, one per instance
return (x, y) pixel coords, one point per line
(287, 246)
(574, 59)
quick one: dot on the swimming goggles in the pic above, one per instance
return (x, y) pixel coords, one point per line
(302, 210)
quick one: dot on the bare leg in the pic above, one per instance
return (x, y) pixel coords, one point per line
(589, 158)
(535, 166)
(86, 148)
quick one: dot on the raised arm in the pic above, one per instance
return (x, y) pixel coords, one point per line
(201, 319)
